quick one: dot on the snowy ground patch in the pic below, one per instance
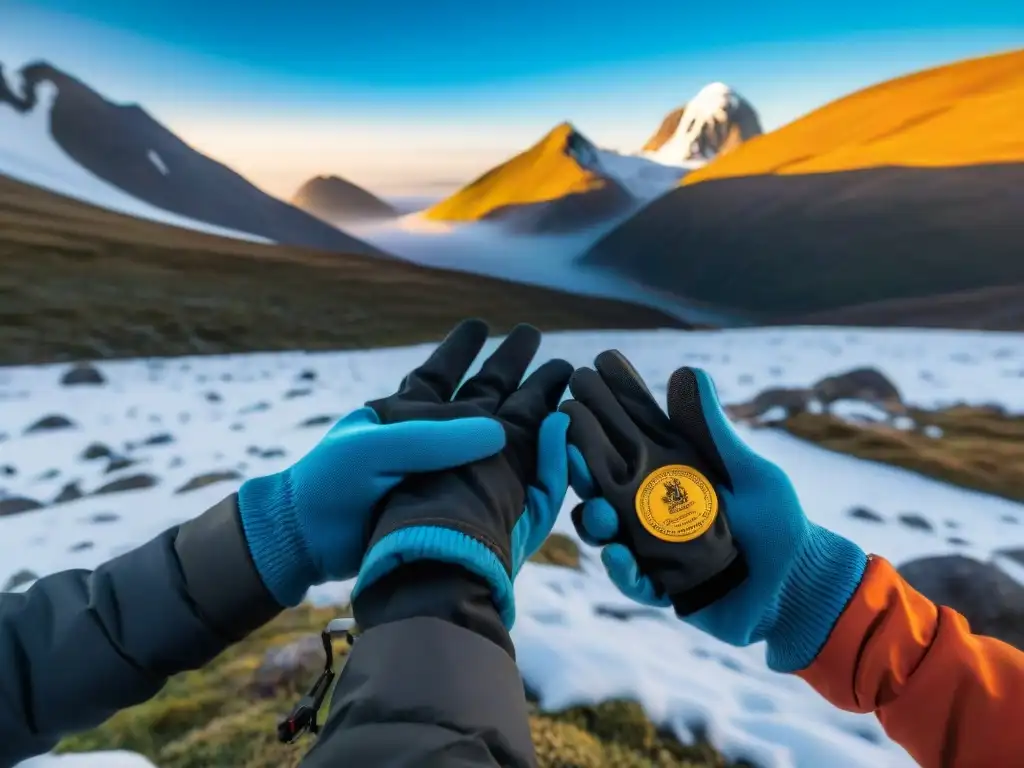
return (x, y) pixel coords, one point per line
(195, 427)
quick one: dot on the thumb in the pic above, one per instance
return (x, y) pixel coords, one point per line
(625, 574)
(430, 446)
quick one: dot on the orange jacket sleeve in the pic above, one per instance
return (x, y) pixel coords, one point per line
(952, 699)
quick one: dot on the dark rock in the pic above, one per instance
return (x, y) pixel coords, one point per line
(50, 424)
(318, 421)
(209, 478)
(162, 439)
(118, 463)
(293, 393)
(96, 451)
(1008, 519)
(990, 600)
(256, 407)
(307, 375)
(8, 470)
(17, 579)
(957, 541)
(792, 401)
(130, 483)
(14, 505)
(213, 397)
(105, 517)
(69, 492)
(625, 613)
(289, 667)
(176, 462)
(237, 427)
(273, 453)
(916, 521)
(863, 513)
(82, 373)
(81, 546)
(49, 474)
(867, 384)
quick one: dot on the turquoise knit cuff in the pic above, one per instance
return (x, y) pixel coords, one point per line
(447, 545)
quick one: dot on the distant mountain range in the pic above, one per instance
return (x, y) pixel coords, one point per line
(908, 189)
(125, 147)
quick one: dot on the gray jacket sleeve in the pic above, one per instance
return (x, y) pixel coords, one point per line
(78, 646)
(435, 683)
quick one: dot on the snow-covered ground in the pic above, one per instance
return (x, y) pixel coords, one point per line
(242, 416)
(29, 153)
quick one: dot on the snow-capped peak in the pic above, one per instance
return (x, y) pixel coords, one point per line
(716, 120)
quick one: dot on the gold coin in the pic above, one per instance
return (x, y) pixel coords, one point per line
(676, 503)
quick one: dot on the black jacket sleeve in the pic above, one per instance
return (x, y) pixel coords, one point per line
(78, 646)
(431, 680)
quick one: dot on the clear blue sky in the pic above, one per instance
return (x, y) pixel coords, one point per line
(423, 92)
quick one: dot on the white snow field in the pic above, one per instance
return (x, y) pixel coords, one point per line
(578, 639)
(29, 153)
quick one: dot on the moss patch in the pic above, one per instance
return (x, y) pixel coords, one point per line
(978, 448)
(213, 717)
(558, 549)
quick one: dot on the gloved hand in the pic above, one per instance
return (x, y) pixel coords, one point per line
(310, 523)
(489, 516)
(800, 575)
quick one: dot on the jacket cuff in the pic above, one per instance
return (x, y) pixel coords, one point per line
(443, 545)
(219, 572)
(816, 592)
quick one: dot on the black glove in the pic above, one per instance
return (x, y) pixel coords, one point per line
(659, 473)
(488, 516)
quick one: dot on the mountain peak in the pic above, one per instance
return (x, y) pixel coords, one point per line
(714, 122)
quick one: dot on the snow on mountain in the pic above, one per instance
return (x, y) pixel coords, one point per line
(715, 121)
(207, 423)
(29, 153)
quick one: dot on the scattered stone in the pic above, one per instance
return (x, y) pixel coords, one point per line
(49, 474)
(318, 421)
(916, 521)
(255, 408)
(293, 393)
(213, 397)
(307, 375)
(868, 384)
(96, 451)
(183, 418)
(746, 378)
(81, 546)
(14, 505)
(1008, 519)
(105, 517)
(273, 453)
(990, 600)
(237, 427)
(558, 549)
(18, 579)
(118, 463)
(82, 373)
(161, 439)
(291, 666)
(69, 492)
(50, 423)
(176, 462)
(8, 470)
(863, 513)
(789, 401)
(625, 613)
(209, 478)
(130, 483)
(225, 377)
(952, 524)
(957, 541)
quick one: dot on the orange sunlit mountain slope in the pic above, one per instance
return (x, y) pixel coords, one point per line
(967, 113)
(555, 184)
(912, 190)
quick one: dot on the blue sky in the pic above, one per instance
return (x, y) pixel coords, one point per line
(409, 96)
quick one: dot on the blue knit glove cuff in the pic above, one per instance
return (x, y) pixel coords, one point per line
(817, 589)
(446, 545)
(271, 526)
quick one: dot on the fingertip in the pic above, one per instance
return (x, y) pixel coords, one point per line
(600, 520)
(621, 566)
